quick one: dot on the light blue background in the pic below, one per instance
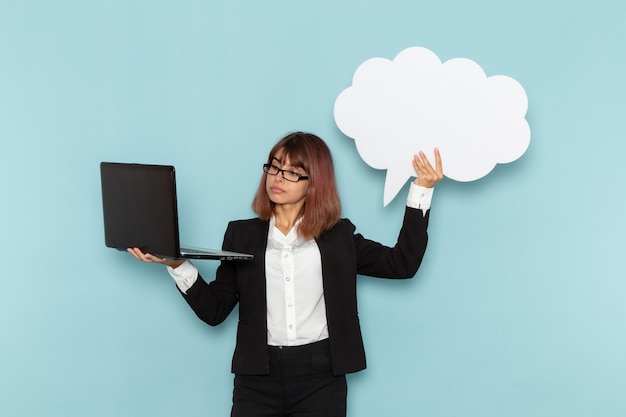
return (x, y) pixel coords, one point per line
(519, 307)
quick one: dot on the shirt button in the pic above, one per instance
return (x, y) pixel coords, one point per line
(287, 279)
(291, 326)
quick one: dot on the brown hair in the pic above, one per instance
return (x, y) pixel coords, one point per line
(322, 207)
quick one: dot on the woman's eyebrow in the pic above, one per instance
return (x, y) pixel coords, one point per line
(289, 166)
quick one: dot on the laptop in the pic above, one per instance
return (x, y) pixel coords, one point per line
(140, 210)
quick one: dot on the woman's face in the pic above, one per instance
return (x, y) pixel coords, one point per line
(281, 191)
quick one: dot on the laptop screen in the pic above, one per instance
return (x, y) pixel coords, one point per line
(139, 207)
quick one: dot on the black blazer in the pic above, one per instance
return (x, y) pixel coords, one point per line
(344, 254)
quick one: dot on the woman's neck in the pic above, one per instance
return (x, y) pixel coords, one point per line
(286, 217)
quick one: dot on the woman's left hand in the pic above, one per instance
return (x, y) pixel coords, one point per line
(427, 176)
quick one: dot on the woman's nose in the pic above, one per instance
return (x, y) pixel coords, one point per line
(279, 177)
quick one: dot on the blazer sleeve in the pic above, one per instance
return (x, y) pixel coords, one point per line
(213, 302)
(403, 259)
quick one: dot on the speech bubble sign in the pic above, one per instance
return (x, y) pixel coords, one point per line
(414, 102)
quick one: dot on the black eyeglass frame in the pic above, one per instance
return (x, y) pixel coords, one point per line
(267, 167)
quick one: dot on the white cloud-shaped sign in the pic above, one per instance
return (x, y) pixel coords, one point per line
(415, 102)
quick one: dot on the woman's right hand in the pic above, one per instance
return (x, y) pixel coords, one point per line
(149, 258)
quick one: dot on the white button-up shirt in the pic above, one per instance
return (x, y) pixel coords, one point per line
(296, 312)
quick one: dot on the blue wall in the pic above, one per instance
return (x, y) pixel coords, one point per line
(519, 307)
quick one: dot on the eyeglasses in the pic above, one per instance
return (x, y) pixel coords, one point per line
(288, 175)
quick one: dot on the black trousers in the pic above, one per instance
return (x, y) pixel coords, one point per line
(301, 384)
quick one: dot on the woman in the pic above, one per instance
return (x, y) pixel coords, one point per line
(298, 332)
